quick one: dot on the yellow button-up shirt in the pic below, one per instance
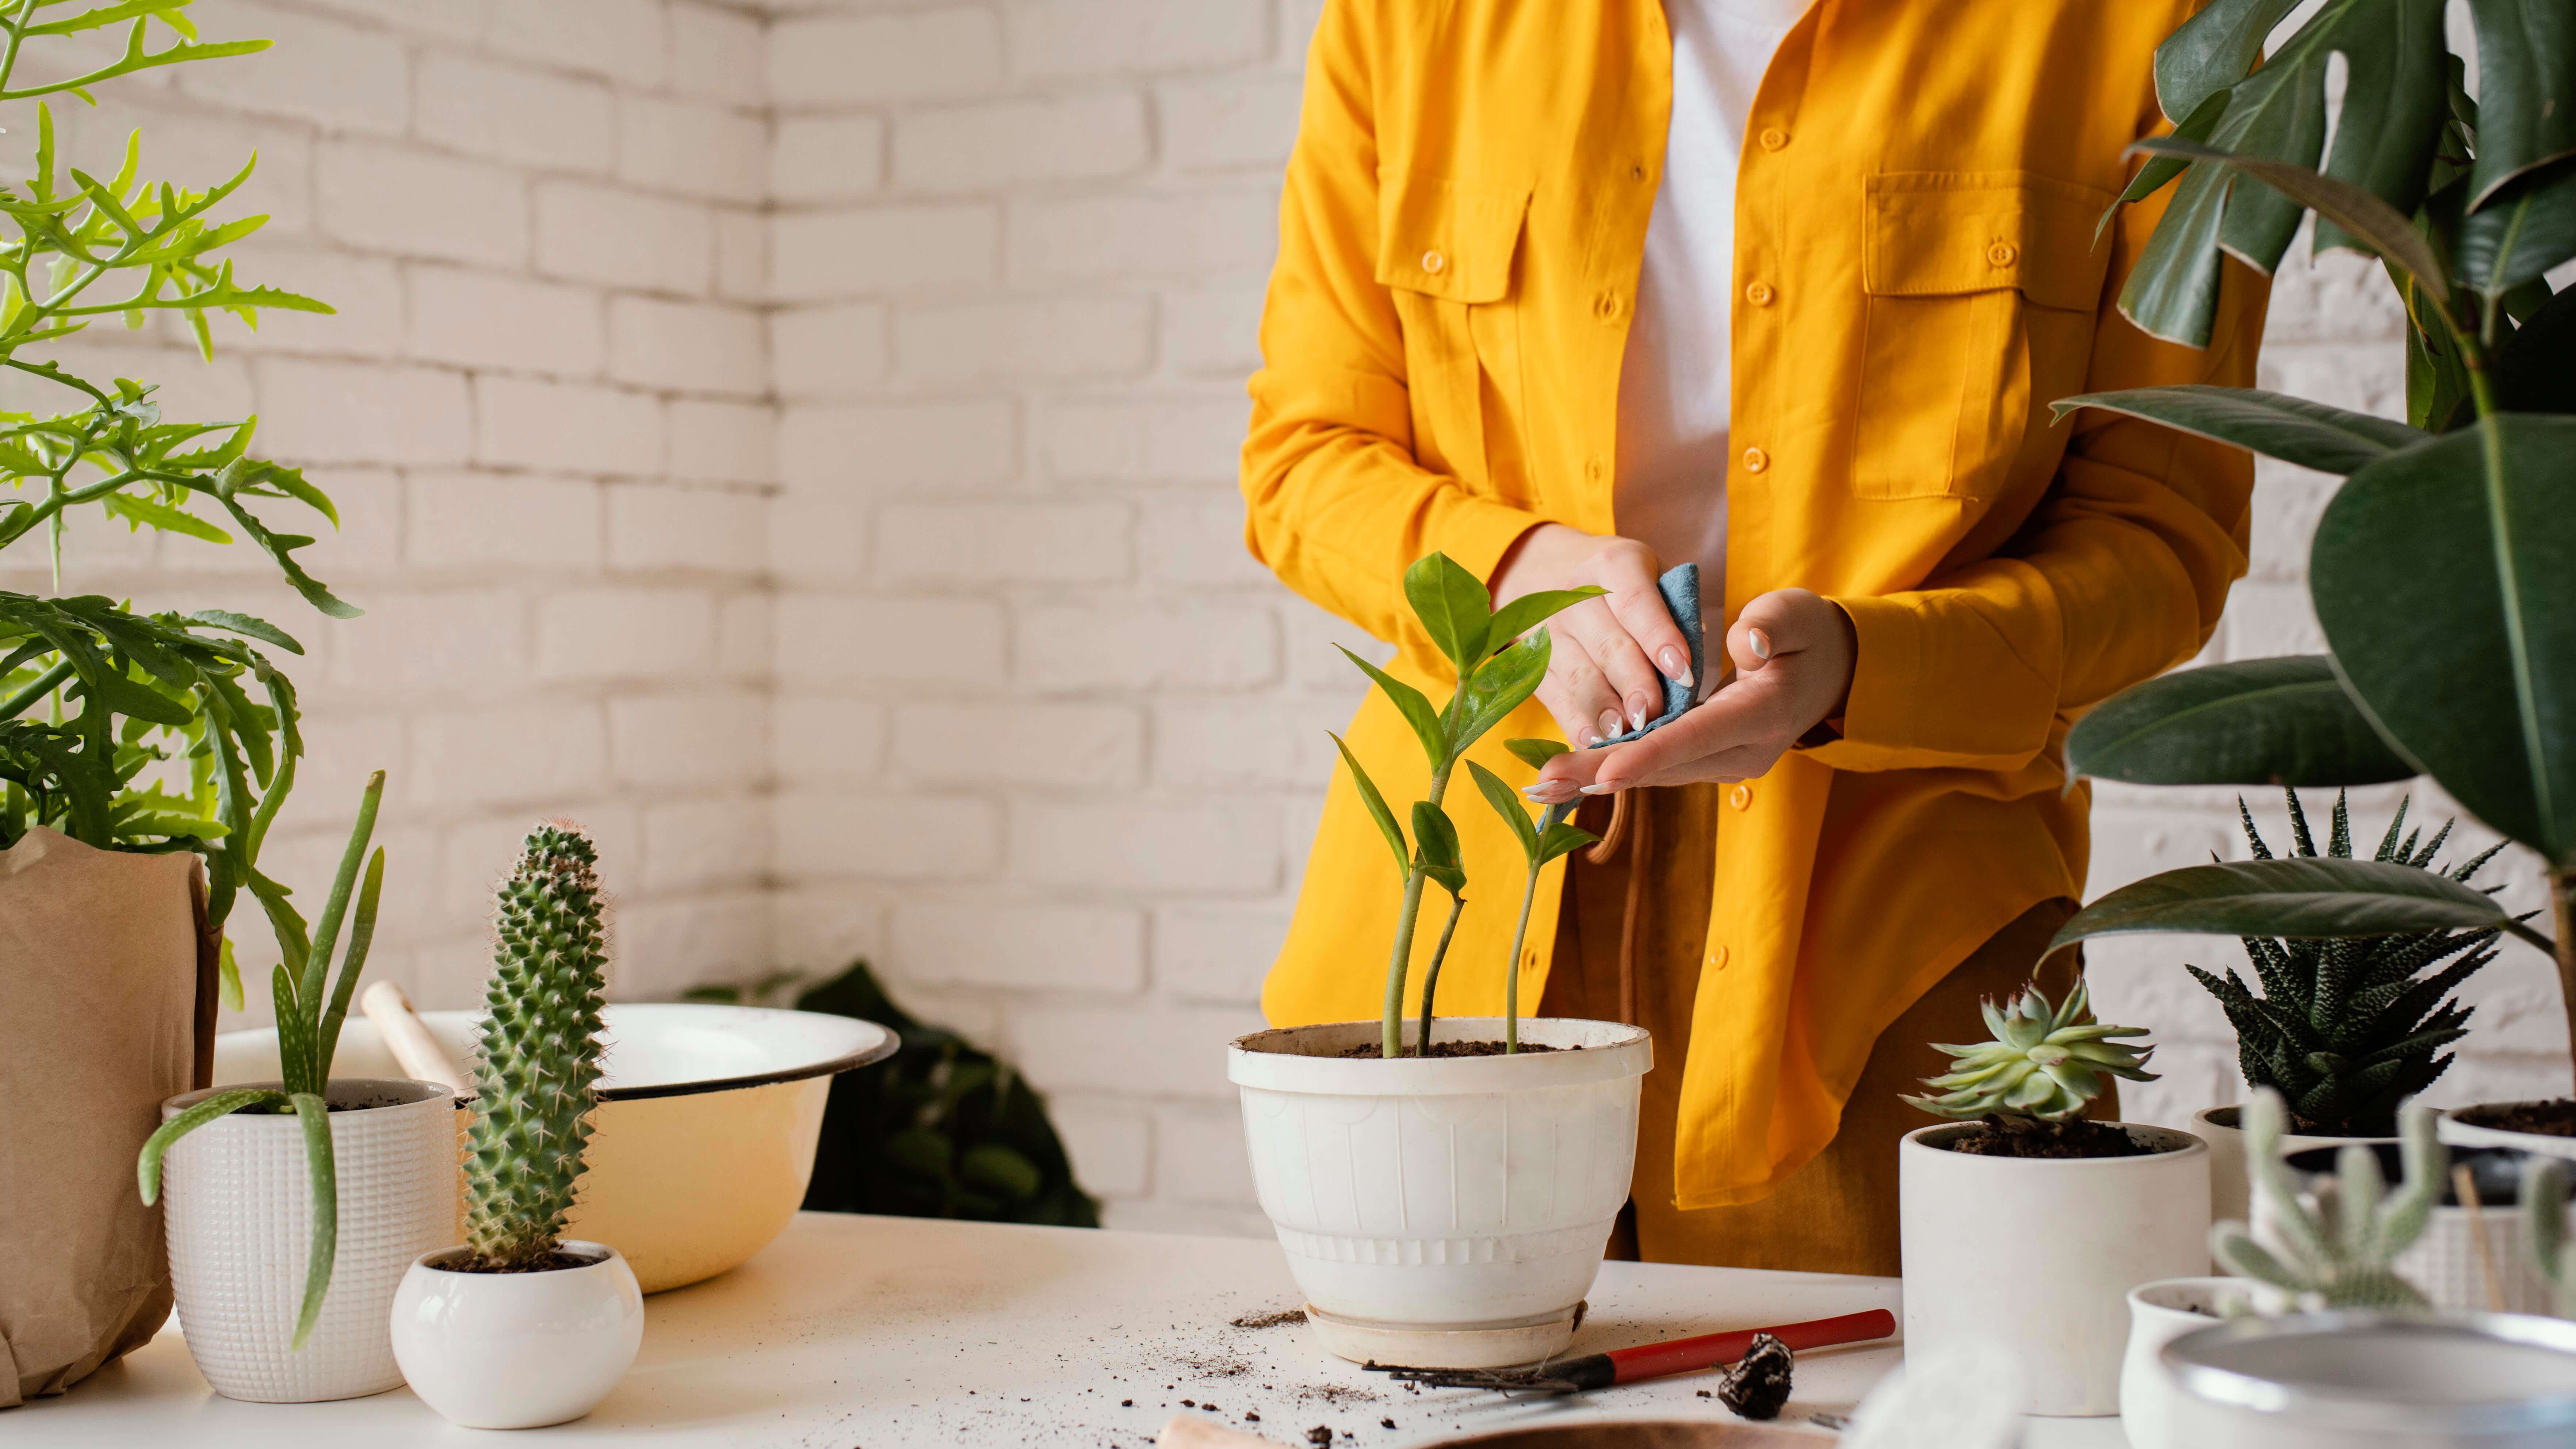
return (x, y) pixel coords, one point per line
(1460, 237)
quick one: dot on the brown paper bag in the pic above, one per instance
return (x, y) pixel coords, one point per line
(107, 1007)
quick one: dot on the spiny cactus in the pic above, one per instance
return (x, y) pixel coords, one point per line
(539, 1072)
(2544, 1225)
(2345, 1028)
(2044, 1062)
(2343, 1263)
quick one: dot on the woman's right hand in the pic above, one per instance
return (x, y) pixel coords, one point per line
(1609, 655)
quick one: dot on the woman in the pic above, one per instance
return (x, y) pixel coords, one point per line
(1574, 291)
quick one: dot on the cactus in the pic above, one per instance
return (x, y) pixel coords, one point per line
(2544, 1224)
(2045, 1062)
(539, 1072)
(2343, 1263)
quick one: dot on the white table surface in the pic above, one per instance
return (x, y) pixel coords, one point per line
(891, 1332)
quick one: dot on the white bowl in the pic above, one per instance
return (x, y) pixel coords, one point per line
(2356, 1380)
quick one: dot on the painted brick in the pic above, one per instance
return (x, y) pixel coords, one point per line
(1257, 743)
(592, 233)
(1074, 337)
(1110, 1145)
(746, 637)
(1153, 850)
(979, 942)
(1127, 1048)
(885, 837)
(823, 255)
(1229, 123)
(722, 442)
(624, 633)
(1193, 542)
(190, 144)
(667, 946)
(868, 58)
(826, 158)
(384, 198)
(694, 148)
(1084, 238)
(1203, 1158)
(742, 255)
(453, 518)
(691, 844)
(1202, 646)
(1005, 143)
(816, 541)
(1146, 440)
(1213, 331)
(833, 351)
(889, 641)
(687, 346)
(1216, 952)
(365, 295)
(686, 528)
(369, 539)
(1100, 37)
(447, 19)
(333, 75)
(514, 113)
(520, 755)
(2267, 619)
(672, 741)
(719, 54)
(922, 445)
(1026, 542)
(569, 427)
(624, 40)
(489, 319)
(830, 740)
(1019, 744)
(821, 929)
(337, 412)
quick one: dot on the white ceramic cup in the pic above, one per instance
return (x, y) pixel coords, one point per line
(2159, 1313)
(517, 1350)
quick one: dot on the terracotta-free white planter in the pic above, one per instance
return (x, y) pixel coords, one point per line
(241, 1222)
(2039, 1255)
(1452, 1208)
(2458, 1127)
(2159, 1313)
(2446, 1261)
(2362, 1381)
(517, 1350)
(2230, 1191)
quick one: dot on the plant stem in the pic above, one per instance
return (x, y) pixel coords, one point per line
(1512, 967)
(1431, 977)
(2562, 913)
(1391, 1042)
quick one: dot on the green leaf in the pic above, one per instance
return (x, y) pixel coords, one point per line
(2253, 722)
(1416, 709)
(1535, 753)
(2306, 896)
(999, 1168)
(1529, 611)
(2531, 371)
(2442, 579)
(1507, 803)
(2374, 223)
(316, 1117)
(1500, 686)
(362, 935)
(247, 626)
(1563, 838)
(1437, 837)
(2151, 178)
(2520, 236)
(138, 511)
(2213, 50)
(1453, 606)
(2526, 91)
(1377, 810)
(2276, 425)
(314, 980)
(147, 1165)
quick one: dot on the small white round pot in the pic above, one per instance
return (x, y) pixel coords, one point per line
(2362, 1381)
(2460, 1128)
(2039, 1255)
(2230, 1192)
(241, 1222)
(517, 1350)
(2159, 1313)
(1451, 1208)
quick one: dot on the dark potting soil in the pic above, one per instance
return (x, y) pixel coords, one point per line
(1998, 1135)
(1452, 1049)
(550, 1263)
(2549, 1119)
(1269, 1320)
(1759, 1383)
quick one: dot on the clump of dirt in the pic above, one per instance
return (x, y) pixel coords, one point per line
(1279, 1319)
(1758, 1385)
(1452, 1049)
(2549, 1119)
(2008, 1135)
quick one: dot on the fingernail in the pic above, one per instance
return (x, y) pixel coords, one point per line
(1675, 667)
(1553, 792)
(1609, 723)
(1590, 738)
(1761, 644)
(1637, 710)
(1597, 790)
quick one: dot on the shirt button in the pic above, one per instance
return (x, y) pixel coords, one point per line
(1717, 959)
(1433, 261)
(1593, 469)
(1759, 294)
(1755, 460)
(1606, 306)
(1740, 797)
(1773, 138)
(2002, 254)
(1636, 173)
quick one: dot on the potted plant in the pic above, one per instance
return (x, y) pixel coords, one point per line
(2025, 1223)
(522, 1326)
(358, 1174)
(1445, 1202)
(2439, 571)
(2346, 1029)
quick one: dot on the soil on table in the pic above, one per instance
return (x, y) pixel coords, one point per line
(2000, 1135)
(2548, 1119)
(1452, 1049)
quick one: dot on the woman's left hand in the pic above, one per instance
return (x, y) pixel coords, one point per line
(1793, 653)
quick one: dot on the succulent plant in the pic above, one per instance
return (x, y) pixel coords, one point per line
(2045, 1061)
(2544, 1225)
(2342, 1263)
(539, 1070)
(2346, 1028)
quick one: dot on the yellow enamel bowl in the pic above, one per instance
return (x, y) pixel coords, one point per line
(703, 1140)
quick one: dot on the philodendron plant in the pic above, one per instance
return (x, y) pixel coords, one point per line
(2345, 1262)
(1497, 669)
(2440, 571)
(311, 1005)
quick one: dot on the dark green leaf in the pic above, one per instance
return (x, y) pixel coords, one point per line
(315, 1115)
(1508, 804)
(2526, 90)
(2213, 50)
(1437, 837)
(992, 1165)
(2276, 425)
(2373, 222)
(2518, 237)
(1563, 838)
(2151, 178)
(1416, 709)
(2296, 897)
(1453, 606)
(1529, 611)
(2437, 377)
(2531, 369)
(2253, 722)
(1498, 688)
(1535, 753)
(1377, 810)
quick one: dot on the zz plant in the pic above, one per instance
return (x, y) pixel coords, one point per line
(2439, 571)
(311, 1005)
(95, 697)
(1497, 669)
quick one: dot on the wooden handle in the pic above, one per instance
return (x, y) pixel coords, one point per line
(409, 1040)
(1685, 1355)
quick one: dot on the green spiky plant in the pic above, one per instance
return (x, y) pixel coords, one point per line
(2344, 1263)
(2044, 1063)
(538, 1077)
(2348, 1027)
(2544, 1227)
(311, 1005)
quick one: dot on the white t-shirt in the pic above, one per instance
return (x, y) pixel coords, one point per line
(1670, 488)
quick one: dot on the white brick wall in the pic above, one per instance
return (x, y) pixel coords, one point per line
(800, 445)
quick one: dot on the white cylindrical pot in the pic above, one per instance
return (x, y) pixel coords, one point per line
(2230, 1191)
(2362, 1381)
(517, 1350)
(2159, 1313)
(2460, 1127)
(1463, 1196)
(2464, 1262)
(241, 1223)
(2039, 1255)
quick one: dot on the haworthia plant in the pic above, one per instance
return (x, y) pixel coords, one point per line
(2338, 1253)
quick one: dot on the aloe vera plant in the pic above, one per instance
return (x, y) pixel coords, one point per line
(1497, 669)
(311, 1005)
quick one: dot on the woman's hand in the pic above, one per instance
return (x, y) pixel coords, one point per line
(1793, 653)
(1610, 655)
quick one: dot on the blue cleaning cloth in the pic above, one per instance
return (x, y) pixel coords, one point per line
(1680, 588)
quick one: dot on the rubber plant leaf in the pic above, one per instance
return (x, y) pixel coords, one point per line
(1507, 803)
(2276, 425)
(2281, 721)
(2312, 896)
(2520, 236)
(1376, 804)
(1414, 706)
(2526, 91)
(1453, 606)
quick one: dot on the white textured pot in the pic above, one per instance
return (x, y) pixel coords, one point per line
(2446, 1262)
(2361, 1381)
(1452, 1207)
(2230, 1191)
(517, 1350)
(2039, 1255)
(2159, 1313)
(241, 1222)
(2459, 1128)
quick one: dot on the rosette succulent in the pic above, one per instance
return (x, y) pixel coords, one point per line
(2045, 1061)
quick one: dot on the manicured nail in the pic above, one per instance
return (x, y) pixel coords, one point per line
(1590, 738)
(1610, 723)
(1675, 667)
(1761, 643)
(1637, 704)
(1553, 792)
(1597, 790)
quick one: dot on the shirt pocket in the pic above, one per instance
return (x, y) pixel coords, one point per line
(1983, 288)
(1446, 252)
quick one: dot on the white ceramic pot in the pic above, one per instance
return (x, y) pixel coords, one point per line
(2447, 1261)
(241, 1221)
(2040, 1254)
(517, 1350)
(2361, 1381)
(2159, 1313)
(2230, 1191)
(2459, 1128)
(1450, 1207)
